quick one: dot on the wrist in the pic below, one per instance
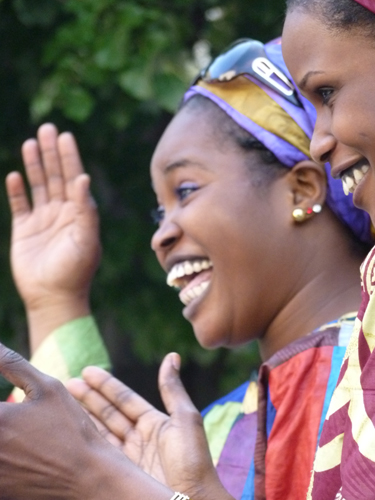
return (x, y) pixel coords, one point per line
(45, 316)
(206, 489)
(111, 474)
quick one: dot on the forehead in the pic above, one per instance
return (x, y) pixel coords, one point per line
(310, 46)
(189, 136)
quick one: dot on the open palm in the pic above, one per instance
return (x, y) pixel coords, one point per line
(172, 448)
(55, 243)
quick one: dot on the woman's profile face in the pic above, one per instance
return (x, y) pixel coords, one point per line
(336, 72)
(221, 240)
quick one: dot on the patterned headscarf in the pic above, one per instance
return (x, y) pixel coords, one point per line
(367, 4)
(285, 129)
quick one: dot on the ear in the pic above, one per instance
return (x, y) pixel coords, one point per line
(308, 184)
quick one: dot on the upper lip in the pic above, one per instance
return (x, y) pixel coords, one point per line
(338, 171)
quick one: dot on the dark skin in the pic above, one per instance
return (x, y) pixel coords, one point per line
(326, 66)
(50, 449)
(319, 283)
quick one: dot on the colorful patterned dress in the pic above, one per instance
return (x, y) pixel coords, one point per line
(344, 468)
(263, 436)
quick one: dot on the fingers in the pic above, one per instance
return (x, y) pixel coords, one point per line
(17, 197)
(131, 404)
(52, 164)
(47, 139)
(172, 391)
(22, 374)
(106, 414)
(106, 433)
(35, 172)
(70, 161)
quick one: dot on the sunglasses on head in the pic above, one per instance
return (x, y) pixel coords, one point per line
(248, 57)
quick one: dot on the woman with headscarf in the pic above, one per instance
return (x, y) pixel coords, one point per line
(263, 245)
(334, 67)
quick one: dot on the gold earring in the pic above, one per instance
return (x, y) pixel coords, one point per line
(299, 214)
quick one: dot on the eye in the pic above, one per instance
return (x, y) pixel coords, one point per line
(185, 189)
(157, 214)
(325, 93)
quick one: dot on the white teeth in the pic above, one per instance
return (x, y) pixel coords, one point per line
(193, 293)
(351, 180)
(345, 187)
(197, 267)
(186, 269)
(180, 271)
(358, 175)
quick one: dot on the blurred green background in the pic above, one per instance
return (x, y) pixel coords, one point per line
(113, 72)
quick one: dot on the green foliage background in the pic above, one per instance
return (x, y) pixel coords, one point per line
(113, 71)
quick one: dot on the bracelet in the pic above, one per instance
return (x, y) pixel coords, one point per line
(179, 496)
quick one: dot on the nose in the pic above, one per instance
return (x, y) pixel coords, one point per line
(166, 236)
(322, 142)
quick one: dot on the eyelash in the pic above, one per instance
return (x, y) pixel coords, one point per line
(157, 214)
(182, 192)
(325, 98)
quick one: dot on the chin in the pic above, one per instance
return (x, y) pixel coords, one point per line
(208, 339)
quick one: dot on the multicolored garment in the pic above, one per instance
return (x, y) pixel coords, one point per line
(344, 468)
(67, 350)
(263, 436)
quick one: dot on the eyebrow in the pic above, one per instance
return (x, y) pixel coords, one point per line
(182, 164)
(302, 84)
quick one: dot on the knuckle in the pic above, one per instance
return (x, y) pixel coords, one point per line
(123, 396)
(107, 412)
(9, 357)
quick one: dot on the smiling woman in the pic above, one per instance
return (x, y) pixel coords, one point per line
(329, 48)
(262, 246)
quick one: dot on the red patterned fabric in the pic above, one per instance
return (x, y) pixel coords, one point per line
(367, 4)
(344, 468)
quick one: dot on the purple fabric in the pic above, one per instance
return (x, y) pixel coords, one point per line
(237, 454)
(341, 205)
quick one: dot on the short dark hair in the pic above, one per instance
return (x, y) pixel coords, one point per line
(338, 15)
(267, 169)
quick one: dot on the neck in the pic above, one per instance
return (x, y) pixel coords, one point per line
(326, 290)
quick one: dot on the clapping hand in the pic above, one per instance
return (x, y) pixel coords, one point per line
(170, 447)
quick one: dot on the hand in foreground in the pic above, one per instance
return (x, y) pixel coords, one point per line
(55, 242)
(172, 448)
(50, 449)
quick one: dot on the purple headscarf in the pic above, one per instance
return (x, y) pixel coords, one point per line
(289, 155)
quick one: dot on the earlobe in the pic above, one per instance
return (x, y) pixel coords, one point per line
(308, 184)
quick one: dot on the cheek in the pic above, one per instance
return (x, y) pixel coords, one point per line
(353, 123)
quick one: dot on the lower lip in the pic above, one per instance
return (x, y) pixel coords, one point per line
(205, 276)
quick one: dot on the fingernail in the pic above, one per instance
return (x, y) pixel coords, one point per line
(176, 361)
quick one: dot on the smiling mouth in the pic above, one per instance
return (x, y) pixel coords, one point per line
(192, 277)
(352, 176)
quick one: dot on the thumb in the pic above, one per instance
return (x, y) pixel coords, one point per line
(172, 391)
(20, 372)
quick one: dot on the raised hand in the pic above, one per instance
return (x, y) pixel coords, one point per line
(172, 448)
(55, 247)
